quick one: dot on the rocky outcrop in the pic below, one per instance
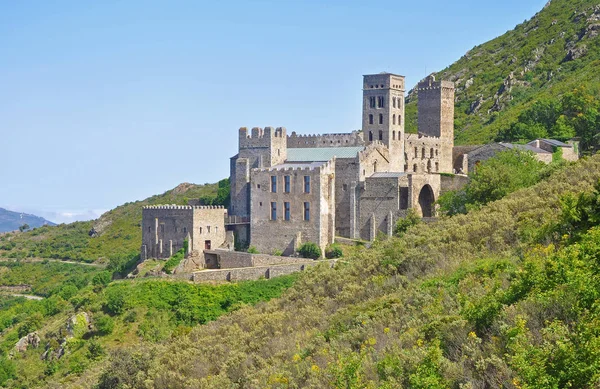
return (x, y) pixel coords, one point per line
(28, 340)
(575, 53)
(80, 321)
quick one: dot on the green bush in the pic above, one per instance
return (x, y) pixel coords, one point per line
(104, 324)
(101, 280)
(8, 370)
(403, 224)
(252, 250)
(95, 350)
(310, 250)
(116, 301)
(333, 251)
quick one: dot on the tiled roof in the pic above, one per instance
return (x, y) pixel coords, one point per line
(321, 153)
(297, 165)
(525, 148)
(556, 143)
(387, 175)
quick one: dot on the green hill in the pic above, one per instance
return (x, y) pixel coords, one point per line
(551, 54)
(505, 296)
(115, 236)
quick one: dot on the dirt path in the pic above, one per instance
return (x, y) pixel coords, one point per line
(27, 296)
(35, 260)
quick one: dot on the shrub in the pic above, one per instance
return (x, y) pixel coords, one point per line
(115, 301)
(334, 251)
(402, 225)
(252, 250)
(101, 280)
(104, 324)
(7, 370)
(176, 259)
(95, 350)
(310, 250)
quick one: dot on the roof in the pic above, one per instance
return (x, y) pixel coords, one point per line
(527, 147)
(556, 143)
(321, 153)
(387, 175)
(298, 165)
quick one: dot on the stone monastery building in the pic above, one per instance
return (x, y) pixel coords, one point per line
(288, 189)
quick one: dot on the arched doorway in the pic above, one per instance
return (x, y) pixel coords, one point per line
(426, 200)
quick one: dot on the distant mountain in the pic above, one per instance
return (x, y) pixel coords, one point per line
(11, 221)
(545, 57)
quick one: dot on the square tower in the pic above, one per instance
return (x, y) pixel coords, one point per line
(436, 116)
(383, 114)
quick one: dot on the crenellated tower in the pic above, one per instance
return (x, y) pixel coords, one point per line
(261, 148)
(436, 116)
(383, 114)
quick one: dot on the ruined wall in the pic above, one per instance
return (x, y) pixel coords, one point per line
(269, 235)
(381, 204)
(164, 228)
(352, 139)
(460, 158)
(346, 173)
(481, 154)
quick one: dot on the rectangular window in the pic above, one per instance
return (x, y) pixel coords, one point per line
(273, 211)
(307, 211)
(287, 210)
(306, 184)
(287, 184)
(185, 230)
(274, 184)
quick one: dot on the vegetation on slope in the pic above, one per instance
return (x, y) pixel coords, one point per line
(122, 313)
(554, 53)
(495, 298)
(115, 237)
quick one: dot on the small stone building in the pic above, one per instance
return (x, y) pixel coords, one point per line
(166, 227)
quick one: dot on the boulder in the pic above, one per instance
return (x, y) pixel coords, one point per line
(31, 339)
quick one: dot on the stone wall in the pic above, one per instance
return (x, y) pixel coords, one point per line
(352, 139)
(346, 177)
(255, 273)
(381, 205)
(452, 182)
(165, 227)
(422, 154)
(286, 235)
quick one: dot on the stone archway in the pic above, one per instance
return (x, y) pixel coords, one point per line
(426, 200)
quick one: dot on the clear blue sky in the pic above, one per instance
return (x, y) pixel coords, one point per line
(112, 101)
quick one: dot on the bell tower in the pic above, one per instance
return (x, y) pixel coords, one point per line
(383, 114)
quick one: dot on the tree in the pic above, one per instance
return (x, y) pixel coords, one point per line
(24, 227)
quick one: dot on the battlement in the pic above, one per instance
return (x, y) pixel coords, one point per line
(190, 207)
(351, 139)
(431, 84)
(420, 136)
(259, 137)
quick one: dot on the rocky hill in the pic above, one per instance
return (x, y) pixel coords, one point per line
(11, 221)
(553, 53)
(115, 236)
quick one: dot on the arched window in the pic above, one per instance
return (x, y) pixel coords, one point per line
(371, 119)
(394, 119)
(416, 153)
(436, 152)
(393, 135)
(415, 168)
(375, 167)
(423, 153)
(370, 136)
(429, 166)
(380, 135)
(431, 153)
(437, 166)
(380, 118)
(394, 102)
(399, 120)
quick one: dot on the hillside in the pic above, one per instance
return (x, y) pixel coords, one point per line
(505, 296)
(545, 57)
(11, 221)
(114, 237)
